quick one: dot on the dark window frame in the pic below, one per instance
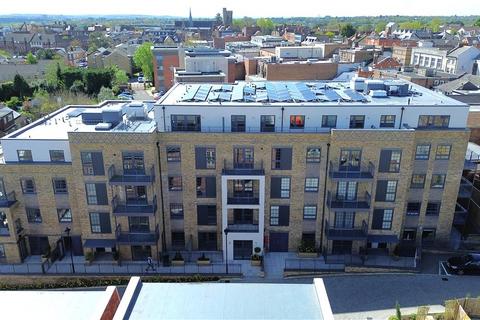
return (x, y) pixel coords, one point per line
(176, 151)
(56, 158)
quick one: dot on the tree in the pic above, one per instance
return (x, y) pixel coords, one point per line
(21, 87)
(105, 94)
(477, 23)
(435, 24)
(94, 79)
(411, 25)
(330, 34)
(13, 103)
(46, 54)
(398, 313)
(218, 19)
(31, 59)
(98, 40)
(143, 58)
(380, 26)
(77, 87)
(347, 30)
(266, 25)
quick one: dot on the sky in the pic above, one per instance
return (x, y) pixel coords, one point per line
(251, 8)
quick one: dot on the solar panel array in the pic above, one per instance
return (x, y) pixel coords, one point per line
(272, 92)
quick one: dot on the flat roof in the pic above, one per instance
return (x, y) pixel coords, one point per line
(227, 301)
(58, 124)
(306, 93)
(72, 305)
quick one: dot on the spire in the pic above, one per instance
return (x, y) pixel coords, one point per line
(190, 22)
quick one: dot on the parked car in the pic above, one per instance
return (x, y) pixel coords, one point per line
(125, 96)
(141, 79)
(468, 264)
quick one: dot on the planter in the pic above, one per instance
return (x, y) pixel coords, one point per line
(203, 262)
(256, 263)
(178, 263)
(307, 254)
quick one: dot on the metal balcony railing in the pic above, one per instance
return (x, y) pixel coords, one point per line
(243, 169)
(359, 203)
(122, 208)
(136, 238)
(8, 200)
(359, 233)
(361, 172)
(243, 198)
(235, 226)
(131, 177)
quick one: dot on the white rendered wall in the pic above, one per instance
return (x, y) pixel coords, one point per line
(40, 149)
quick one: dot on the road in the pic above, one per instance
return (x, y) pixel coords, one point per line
(139, 92)
(374, 296)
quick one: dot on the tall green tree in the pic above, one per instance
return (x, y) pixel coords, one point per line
(380, 26)
(21, 87)
(266, 25)
(98, 40)
(143, 58)
(347, 30)
(218, 19)
(31, 59)
(477, 23)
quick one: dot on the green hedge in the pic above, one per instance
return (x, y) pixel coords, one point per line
(101, 282)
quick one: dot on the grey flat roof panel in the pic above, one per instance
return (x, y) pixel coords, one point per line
(202, 92)
(354, 95)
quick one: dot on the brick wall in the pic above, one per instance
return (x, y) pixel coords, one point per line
(301, 71)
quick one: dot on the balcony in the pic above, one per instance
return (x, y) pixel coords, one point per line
(136, 238)
(243, 226)
(8, 200)
(359, 204)
(460, 215)
(231, 168)
(362, 172)
(347, 234)
(466, 188)
(132, 178)
(121, 208)
(243, 198)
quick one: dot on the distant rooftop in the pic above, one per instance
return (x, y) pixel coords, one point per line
(110, 116)
(315, 93)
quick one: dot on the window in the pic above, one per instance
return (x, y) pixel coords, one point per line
(391, 191)
(206, 187)
(390, 161)
(279, 215)
(433, 208)
(28, 185)
(178, 239)
(206, 215)
(418, 181)
(344, 220)
(285, 188)
(100, 222)
(92, 163)
(175, 183)
(205, 158)
(350, 160)
(57, 156)
(207, 241)
(329, 121)
(267, 123)
(422, 152)
(59, 185)
(96, 193)
(313, 155)
(24, 155)
(186, 122)
(310, 212)
(3, 221)
(176, 211)
(387, 121)
(382, 219)
(308, 239)
(243, 157)
(133, 163)
(346, 190)
(2, 251)
(238, 123)
(138, 224)
(311, 184)
(173, 154)
(443, 152)
(34, 215)
(357, 122)
(282, 158)
(297, 122)
(428, 235)
(433, 121)
(386, 190)
(64, 215)
(413, 208)
(438, 181)
(409, 234)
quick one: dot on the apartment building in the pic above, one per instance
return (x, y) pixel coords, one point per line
(456, 61)
(344, 167)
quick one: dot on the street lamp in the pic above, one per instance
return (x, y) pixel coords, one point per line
(226, 249)
(67, 231)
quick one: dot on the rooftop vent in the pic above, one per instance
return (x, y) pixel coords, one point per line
(378, 93)
(104, 126)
